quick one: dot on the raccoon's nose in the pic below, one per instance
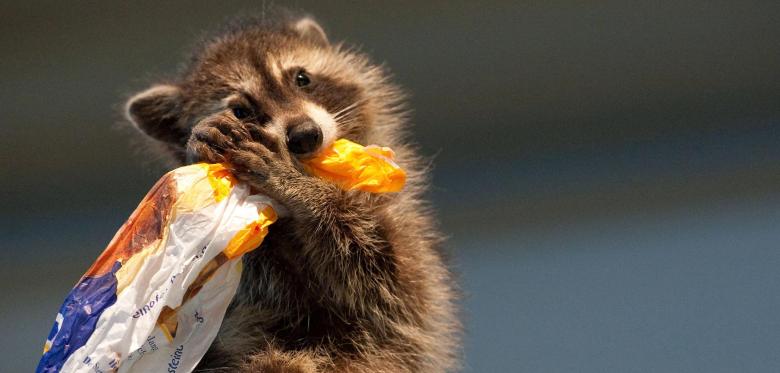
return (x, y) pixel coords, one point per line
(304, 137)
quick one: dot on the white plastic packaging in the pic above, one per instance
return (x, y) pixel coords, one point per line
(155, 299)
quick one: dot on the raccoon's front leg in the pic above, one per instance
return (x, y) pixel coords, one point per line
(342, 233)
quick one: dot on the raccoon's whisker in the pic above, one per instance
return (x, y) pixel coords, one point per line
(345, 111)
(356, 102)
(349, 108)
(343, 108)
(348, 122)
(345, 117)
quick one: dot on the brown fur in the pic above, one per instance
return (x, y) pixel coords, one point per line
(348, 281)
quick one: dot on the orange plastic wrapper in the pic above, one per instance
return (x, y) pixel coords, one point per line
(356, 167)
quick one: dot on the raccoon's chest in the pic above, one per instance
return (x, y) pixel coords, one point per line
(288, 300)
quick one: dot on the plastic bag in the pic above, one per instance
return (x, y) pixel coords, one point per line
(155, 298)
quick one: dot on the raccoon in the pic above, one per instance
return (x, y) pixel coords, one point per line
(348, 281)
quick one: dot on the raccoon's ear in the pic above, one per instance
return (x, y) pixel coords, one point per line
(155, 112)
(308, 28)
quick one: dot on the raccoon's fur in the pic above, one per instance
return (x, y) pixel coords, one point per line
(348, 281)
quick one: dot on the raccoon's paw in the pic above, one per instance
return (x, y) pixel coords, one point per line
(260, 167)
(211, 139)
(274, 361)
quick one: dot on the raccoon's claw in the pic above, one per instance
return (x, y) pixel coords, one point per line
(198, 151)
(260, 167)
(210, 140)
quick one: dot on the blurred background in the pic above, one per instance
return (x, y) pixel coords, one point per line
(608, 172)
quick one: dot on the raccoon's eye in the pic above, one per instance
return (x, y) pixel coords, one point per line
(241, 112)
(302, 79)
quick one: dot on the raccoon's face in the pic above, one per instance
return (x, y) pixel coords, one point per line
(287, 80)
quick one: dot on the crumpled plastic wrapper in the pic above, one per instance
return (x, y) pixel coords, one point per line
(355, 167)
(155, 298)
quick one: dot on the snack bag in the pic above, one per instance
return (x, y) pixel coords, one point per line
(155, 298)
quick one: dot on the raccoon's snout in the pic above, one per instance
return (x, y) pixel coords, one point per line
(303, 137)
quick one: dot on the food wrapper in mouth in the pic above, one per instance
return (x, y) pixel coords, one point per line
(155, 298)
(355, 167)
